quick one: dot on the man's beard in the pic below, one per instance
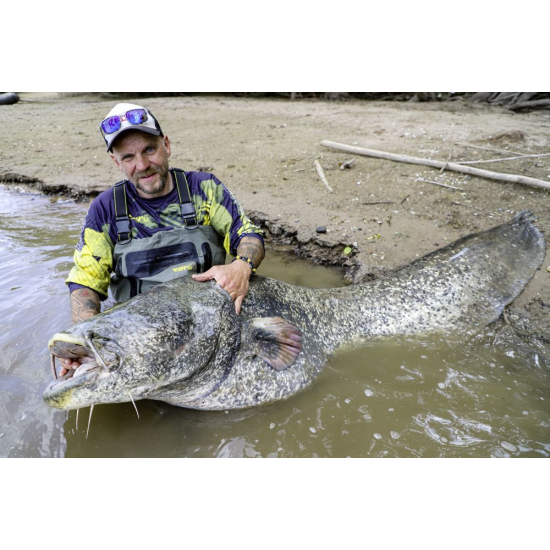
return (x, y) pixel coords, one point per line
(152, 170)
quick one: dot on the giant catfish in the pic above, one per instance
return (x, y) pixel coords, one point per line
(182, 342)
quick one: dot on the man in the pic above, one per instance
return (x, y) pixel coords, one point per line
(158, 224)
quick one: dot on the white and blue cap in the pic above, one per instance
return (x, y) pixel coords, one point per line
(127, 116)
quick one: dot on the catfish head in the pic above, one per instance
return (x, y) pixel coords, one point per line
(180, 336)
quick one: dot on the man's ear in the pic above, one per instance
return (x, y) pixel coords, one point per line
(116, 161)
(167, 146)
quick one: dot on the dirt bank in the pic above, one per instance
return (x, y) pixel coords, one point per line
(264, 151)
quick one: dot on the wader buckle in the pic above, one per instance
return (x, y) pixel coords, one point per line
(123, 230)
(188, 215)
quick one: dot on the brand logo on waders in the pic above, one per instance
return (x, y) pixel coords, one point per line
(183, 268)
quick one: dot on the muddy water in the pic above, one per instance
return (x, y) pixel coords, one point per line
(484, 395)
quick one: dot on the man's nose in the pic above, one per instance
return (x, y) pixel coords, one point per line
(142, 163)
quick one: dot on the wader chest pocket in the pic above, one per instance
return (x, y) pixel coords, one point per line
(148, 263)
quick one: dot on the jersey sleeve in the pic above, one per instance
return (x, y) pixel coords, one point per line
(93, 256)
(226, 215)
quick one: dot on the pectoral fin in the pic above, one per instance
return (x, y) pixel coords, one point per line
(277, 342)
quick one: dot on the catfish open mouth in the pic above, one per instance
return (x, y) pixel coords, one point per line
(95, 355)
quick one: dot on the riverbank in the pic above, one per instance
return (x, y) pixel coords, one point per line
(264, 151)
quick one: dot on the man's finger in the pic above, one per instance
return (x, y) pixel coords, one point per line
(238, 303)
(202, 276)
(68, 364)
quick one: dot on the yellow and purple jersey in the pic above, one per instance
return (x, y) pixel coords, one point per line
(214, 205)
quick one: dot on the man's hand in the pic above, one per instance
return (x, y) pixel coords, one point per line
(68, 364)
(233, 278)
(84, 304)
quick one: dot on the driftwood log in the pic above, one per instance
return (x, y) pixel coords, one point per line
(454, 167)
(535, 104)
(514, 101)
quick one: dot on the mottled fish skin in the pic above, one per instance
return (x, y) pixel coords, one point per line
(182, 342)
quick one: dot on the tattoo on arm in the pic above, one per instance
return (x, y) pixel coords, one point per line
(251, 248)
(84, 304)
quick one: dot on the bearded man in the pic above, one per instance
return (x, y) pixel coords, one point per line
(158, 224)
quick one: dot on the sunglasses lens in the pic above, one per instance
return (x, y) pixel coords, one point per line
(137, 116)
(111, 124)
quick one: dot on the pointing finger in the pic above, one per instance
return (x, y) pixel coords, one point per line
(203, 276)
(238, 303)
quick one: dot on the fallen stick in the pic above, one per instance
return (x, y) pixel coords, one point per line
(347, 164)
(445, 165)
(500, 160)
(435, 183)
(322, 175)
(437, 164)
(490, 149)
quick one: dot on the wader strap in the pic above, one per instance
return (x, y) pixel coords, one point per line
(207, 255)
(187, 208)
(121, 212)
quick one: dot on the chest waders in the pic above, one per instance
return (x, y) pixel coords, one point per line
(166, 255)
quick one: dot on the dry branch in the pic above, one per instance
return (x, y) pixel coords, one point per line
(322, 175)
(436, 183)
(505, 152)
(502, 159)
(437, 164)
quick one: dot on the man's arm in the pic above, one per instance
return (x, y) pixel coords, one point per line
(93, 260)
(84, 304)
(234, 277)
(229, 220)
(251, 248)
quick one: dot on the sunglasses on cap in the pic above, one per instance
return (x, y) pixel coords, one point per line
(113, 124)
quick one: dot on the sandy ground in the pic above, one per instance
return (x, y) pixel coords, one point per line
(264, 151)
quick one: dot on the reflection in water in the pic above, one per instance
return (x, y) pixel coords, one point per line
(483, 395)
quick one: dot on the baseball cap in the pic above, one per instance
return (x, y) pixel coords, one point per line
(127, 116)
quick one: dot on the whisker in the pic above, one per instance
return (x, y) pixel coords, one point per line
(89, 421)
(134, 403)
(92, 347)
(77, 411)
(52, 359)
